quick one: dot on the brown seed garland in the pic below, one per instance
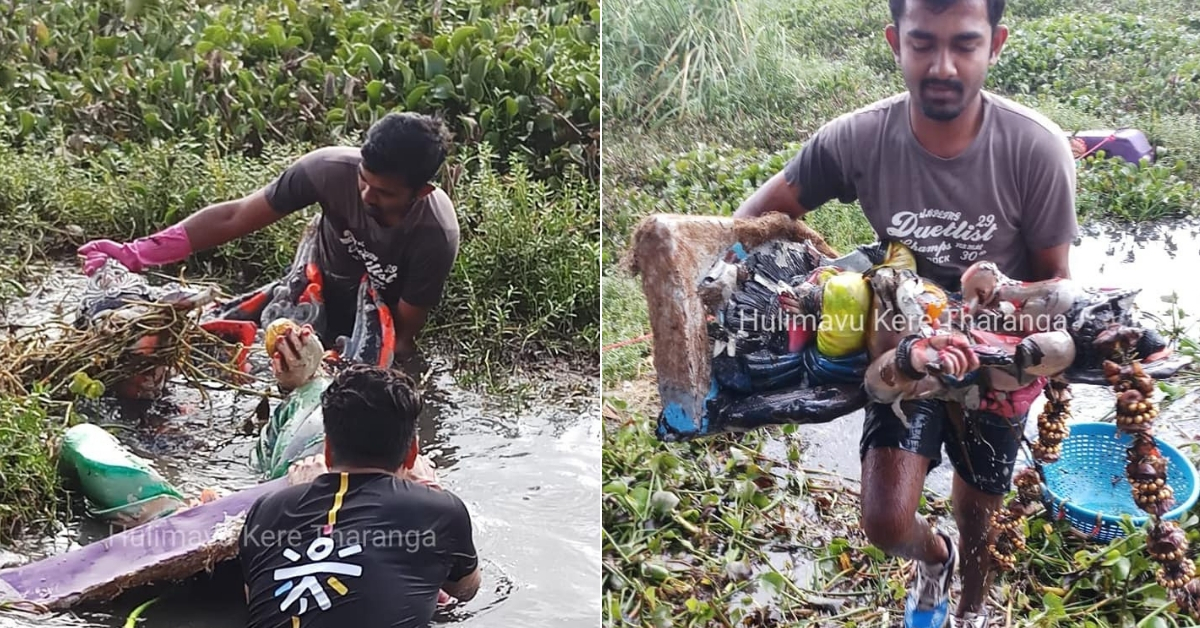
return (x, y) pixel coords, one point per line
(1146, 470)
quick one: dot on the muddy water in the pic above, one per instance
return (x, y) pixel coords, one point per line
(1160, 259)
(525, 460)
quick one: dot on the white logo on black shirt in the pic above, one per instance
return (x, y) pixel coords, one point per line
(318, 551)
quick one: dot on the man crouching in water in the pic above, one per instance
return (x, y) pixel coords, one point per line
(362, 539)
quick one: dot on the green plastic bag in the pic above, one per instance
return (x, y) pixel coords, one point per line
(119, 486)
(296, 430)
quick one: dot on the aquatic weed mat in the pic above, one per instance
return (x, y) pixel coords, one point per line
(60, 359)
(727, 531)
(736, 530)
(50, 370)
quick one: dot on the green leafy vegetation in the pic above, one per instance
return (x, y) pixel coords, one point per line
(521, 76)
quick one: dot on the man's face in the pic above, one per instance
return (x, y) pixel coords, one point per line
(945, 56)
(383, 196)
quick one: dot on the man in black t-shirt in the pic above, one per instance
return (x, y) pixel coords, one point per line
(362, 544)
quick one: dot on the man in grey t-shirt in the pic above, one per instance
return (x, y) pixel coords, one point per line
(381, 218)
(958, 175)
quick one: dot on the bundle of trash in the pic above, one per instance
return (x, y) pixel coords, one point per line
(790, 330)
(787, 320)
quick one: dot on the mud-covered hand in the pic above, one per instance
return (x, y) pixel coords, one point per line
(296, 357)
(943, 354)
(165, 247)
(306, 470)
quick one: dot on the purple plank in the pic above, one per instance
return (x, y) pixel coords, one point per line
(171, 548)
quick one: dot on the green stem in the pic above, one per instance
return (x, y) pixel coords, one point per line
(137, 612)
(1155, 613)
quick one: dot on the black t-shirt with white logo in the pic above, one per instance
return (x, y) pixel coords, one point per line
(361, 549)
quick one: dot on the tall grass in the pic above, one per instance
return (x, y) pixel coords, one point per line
(625, 322)
(676, 58)
(29, 479)
(527, 280)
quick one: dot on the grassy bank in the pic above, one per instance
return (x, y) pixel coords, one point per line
(703, 102)
(120, 118)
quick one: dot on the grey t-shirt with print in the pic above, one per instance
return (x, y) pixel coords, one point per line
(410, 261)
(1011, 192)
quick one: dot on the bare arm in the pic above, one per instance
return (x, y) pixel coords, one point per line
(410, 319)
(224, 222)
(461, 550)
(774, 195)
(1051, 263)
(1050, 221)
(463, 589)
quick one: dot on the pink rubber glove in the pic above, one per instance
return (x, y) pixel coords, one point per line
(165, 247)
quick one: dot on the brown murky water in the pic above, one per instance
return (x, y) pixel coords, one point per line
(525, 460)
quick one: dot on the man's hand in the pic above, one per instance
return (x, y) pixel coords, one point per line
(296, 358)
(306, 470)
(97, 252)
(165, 247)
(422, 472)
(944, 354)
(465, 589)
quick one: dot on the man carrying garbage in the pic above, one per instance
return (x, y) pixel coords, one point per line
(958, 175)
(384, 230)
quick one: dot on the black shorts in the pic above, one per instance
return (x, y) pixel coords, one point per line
(984, 456)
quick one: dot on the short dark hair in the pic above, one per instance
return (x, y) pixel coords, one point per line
(995, 9)
(410, 146)
(370, 416)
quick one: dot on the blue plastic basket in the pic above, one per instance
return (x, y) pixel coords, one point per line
(1087, 484)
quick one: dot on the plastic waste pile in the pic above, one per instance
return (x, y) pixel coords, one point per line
(790, 331)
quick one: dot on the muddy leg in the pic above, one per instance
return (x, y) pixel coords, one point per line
(984, 452)
(895, 461)
(892, 480)
(972, 512)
